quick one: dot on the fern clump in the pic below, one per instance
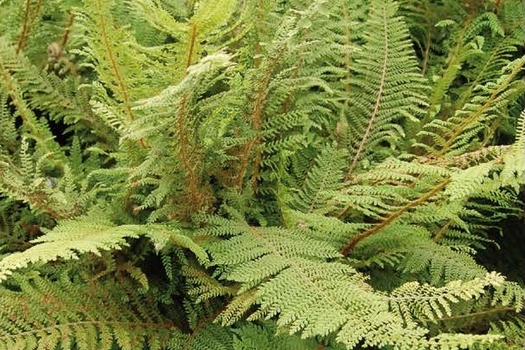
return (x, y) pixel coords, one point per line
(261, 175)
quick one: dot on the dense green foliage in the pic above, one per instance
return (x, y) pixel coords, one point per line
(258, 174)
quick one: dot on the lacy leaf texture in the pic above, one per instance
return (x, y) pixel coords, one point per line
(257, 174)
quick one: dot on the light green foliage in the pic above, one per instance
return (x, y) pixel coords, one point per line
(263, 337)
(245, 174)
(91, 233)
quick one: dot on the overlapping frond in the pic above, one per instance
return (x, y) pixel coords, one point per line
(465, 130)
(66, 312)
(208, 175)
(273, 272)
(14, 89)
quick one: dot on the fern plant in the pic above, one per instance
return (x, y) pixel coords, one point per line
(257, 174)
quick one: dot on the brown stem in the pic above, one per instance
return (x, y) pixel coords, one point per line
(442, 231)
(191, 45)
(111, 55)
(256, 119)
(67, 30)
(27, 23)
(476, 314)
(492, 100)
(377, 104)
(112, 58)
(388, 220)
(185, 156)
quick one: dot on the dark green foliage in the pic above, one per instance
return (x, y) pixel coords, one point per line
(241, 174)
(80, 314)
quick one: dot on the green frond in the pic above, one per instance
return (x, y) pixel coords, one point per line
(8, 129)
(325, 178)
(64, 312)
(259, 174)
(414, 301)
(513, 331)
(202, 286)
(122, 72)
(513, 172)
(487, 21)
(160, 18)
(388, 88)
(447, 341)
(95, 232)
(30, 180)
(262, 260)
(36, 128)
(92, 233)
(463, 132)
(190, 35)
(324, 227)
(263, 337)
(207, 337)
(210, 15)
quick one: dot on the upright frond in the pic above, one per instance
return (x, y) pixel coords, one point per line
(388, 86)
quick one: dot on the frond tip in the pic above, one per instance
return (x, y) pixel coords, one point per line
(92, 233)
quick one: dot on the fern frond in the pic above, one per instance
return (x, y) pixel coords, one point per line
(214, 174)
(10, 86)
(325, 177)
(414, 301)
(513, 331)
(189, 36)
(120, 73)
(264, 259)
(388, 87)
(461, 133)
(92, 233)
(263, 337)
(40, 312)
